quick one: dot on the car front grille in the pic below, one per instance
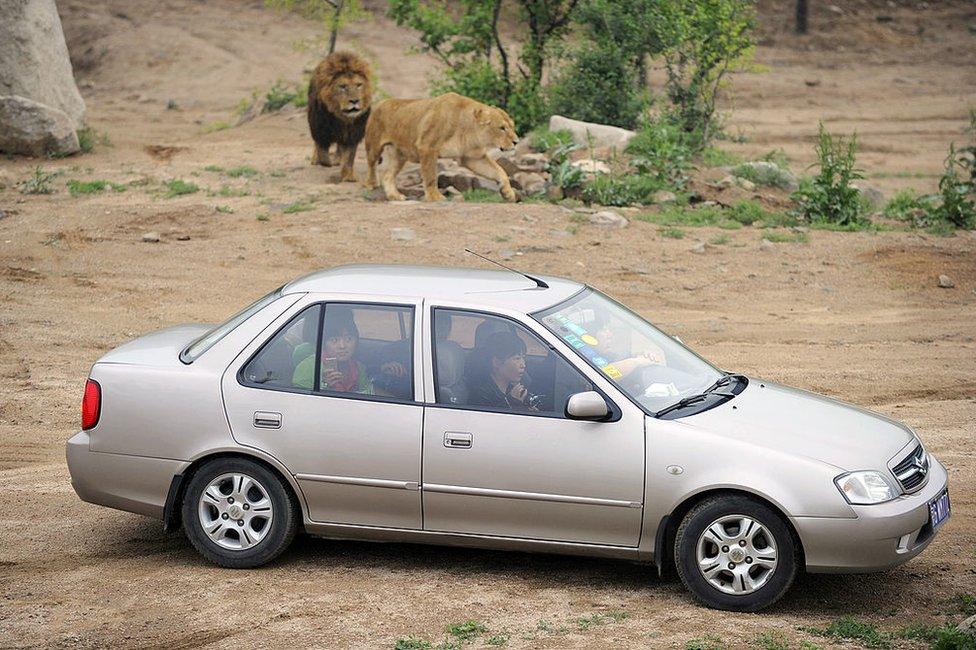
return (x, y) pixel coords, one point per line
(912, 470)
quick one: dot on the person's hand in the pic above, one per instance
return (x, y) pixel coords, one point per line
(518, 392)
(331, 377)
(653, 356)
(394, 368)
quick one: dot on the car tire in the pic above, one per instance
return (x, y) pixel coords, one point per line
(239, 514)
(734, 553)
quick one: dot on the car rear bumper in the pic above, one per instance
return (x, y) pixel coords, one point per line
(133, 483)
(880, 537)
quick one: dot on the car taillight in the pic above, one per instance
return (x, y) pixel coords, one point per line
(91, 405)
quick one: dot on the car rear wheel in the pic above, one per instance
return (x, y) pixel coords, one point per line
(735, 553)
(238, 514)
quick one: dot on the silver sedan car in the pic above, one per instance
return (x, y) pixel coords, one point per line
(497, 410)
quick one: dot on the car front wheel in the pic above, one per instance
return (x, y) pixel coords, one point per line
(238, 514)
(735, 553)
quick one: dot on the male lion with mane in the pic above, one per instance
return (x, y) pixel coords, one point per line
(339, 99)
(448, 126)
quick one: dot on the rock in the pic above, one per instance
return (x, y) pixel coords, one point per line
(508, 165)
(698, 248)
(182, 238)
(410, 179)
(506, 254)
(766, 245)
(453, 193)
(608, 219)
(590, 134)
(768, 173)
(745, 184)
(874, 196)
(480, 183)
(529, 182)
(33, 129)
(945, 282)
(969, 625)
(6, 179)
(812, 83)
(554, 193)
(591, 166)
(533, 162)
(34, 61)
(664, 196)
(151, 237)
(458, 178)
(402, 234)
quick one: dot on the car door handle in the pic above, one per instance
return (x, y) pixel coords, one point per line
(267, 420)
(457, 439)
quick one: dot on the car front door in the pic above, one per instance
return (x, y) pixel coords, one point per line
(333, 392)
(497, 465)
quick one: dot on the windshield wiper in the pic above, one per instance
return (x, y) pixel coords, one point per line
(723, 381)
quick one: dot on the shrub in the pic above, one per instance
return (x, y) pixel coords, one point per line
(958, 193)
(765, 173)
(714, 157)
(77, 188)
(179, 187)
(662, 150)
(829, 196)
(849, 628)
(280, 95)
(39, 182)
(88, 138)
(607, 189)
(749, 212)
(561, 173)
(780, 237)
(597, 83)
(541, 139)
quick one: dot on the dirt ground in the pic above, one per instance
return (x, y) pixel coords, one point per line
(858, 316)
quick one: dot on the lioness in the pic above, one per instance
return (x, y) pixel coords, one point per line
(448, 126)
(339, 97)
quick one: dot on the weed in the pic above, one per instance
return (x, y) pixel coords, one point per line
(478, 195)
(263, 217)
(179, 187)
(228, 191)
(412, 643)
(237, 172)
(945, 637)
(89, 137)
(663, 150)
(466, 631)
(277, 173)
(765, 173)
(561, 173)
(906, 205)
(282, 94)
(958, 193)
(213, 168)
(218, 125)
(297, 206)
(778, 157)
(748, 212)
(542, 139)
(965, 604)
(78, 188)
(719, 240)
(39, 183)
(850, 628)
(497, 640)
(682, 216)
(715, 157)
(672, 233)
(829, 196)
(780, 237)
(224, 209)
(771, 641)
(707, 642)
(606, 189)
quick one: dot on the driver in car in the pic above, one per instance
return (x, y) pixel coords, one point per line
(619, 352)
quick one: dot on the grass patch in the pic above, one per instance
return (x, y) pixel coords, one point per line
(849, 628)
(89, 137)
(179, 187)
(218, 125)
(412, 643)
(771, 641)
(768, 175)
(466, 631)
(944, 637)
(497, 640)
(707, 642)
(965, 604)
(213, 168)
(264, 216)
(780, 237)
(748, 212)
(719, 240)
(39, 182)
(542, 139)
(297, 206)
(715, 157)
(227, 191)
(282, 94)
(672, 233)
(224, 209)
(634, 189)
(79, 188)
(238, 172)
(478, 195)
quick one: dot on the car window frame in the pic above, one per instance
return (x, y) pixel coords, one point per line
(615, 412)
(323, 303)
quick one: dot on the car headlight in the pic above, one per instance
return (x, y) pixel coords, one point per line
(865, 488)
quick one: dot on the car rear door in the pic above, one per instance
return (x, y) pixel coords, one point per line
(530, 474)
(355, 455)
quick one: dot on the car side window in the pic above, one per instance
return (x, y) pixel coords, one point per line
(493, 363)
(275, 365)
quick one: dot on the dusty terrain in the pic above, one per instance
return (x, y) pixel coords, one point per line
(857, 316)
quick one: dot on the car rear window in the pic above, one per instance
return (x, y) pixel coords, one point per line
(193, 351)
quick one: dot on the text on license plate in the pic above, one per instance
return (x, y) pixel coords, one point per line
(939, 509)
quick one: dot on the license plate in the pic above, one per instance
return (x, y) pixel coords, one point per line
(939, 509)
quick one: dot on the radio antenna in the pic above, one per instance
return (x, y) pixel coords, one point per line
(538, 282)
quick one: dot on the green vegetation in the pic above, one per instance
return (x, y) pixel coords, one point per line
(598, 83)
(263, 216)
(39, 182)
(478, 195)
(333, 14)
(89, 137)
(958, 192)
(541, 139)
(663, 150)
(244, 170)
(466, 631)
(412, 643)
(707, 642)
(297, 206)
(848, 628)
(608, 189)
(282, 94)
(719, 240)
(179, 187)
(780, 237)
(965, 604)
(715, 157)
(228, 191)
(78, 188)
(224, 209)
(672, 233)
(749, 212)
(766, 175)
(497, 640)
(829, 196)
(213, 168)
(217, 125)
(771, 641)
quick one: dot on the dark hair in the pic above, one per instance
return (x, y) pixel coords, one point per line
(502, 345)
(337, 321)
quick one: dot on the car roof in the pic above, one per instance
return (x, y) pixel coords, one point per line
(490, 288)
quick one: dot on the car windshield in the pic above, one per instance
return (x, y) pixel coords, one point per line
(205, 342)
(654, 369)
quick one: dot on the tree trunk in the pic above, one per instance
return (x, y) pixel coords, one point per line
(801, 16)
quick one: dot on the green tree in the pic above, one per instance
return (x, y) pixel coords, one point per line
(332, 13)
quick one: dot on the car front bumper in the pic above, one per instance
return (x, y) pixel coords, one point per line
(133, 483)
(881, 537)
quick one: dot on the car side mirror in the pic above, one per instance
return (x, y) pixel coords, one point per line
(587, 406)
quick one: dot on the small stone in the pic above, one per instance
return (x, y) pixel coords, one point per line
(969, 625)
(745, 184)
(812, 83)
(945, 282)
(171, 105)
(151, 237)
(533, 162)
(182, 238)
(402, 234)
(608, 219)
(664, 196)
(874, 196)
(766, 245)
(591, 166)
(554, 193)
(506, 253)
(698, 248)
(529, 182)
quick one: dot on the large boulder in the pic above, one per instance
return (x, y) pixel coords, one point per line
(34, 59)
(33, 129)
(590, 134)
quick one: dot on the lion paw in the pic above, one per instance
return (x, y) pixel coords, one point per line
(434, 196)
(509, 195)
(395, 196)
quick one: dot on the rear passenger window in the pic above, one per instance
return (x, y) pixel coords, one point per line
(350, 349)
(489, 362)
(274, 366)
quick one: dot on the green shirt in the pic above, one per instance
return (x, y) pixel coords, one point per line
(304, 377)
